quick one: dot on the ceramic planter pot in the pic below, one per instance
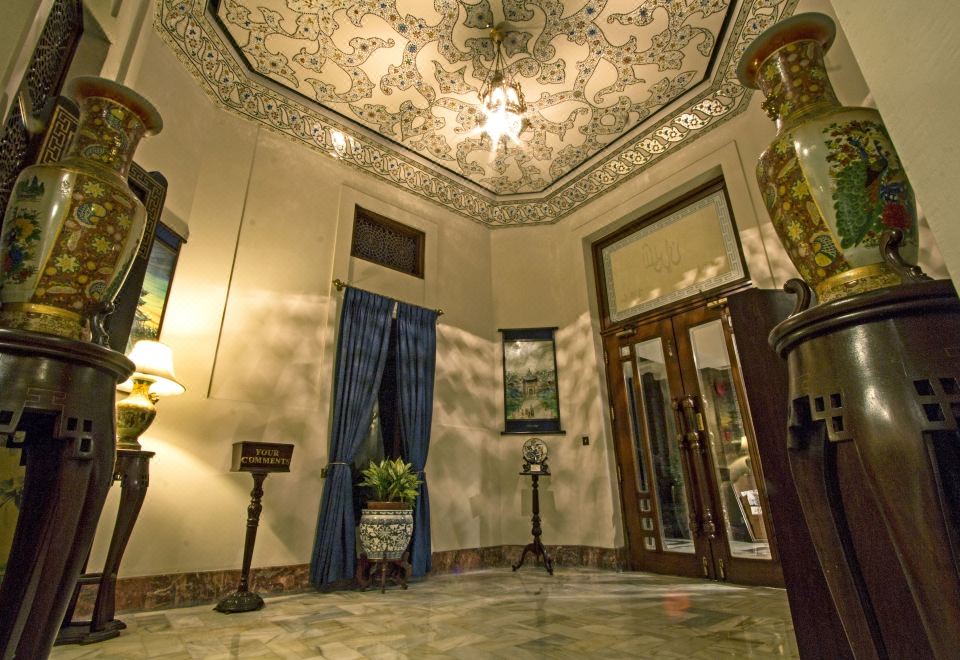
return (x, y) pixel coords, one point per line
(386, 529)
(72, 228)
(831, 180)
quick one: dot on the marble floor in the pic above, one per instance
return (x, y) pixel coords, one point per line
(577, 613)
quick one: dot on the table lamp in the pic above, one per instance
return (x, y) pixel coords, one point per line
(152, 378)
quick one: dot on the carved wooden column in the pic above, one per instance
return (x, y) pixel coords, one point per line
(58, 395)
(874, 447)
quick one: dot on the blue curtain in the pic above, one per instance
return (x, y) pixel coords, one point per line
(416, 360)
(361, 354)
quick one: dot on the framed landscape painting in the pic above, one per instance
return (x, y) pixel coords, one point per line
(156, 285)
(531, 402)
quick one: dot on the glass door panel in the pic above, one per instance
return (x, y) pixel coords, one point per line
(636, 437)
(670, 488)
(729, 441)
(691, 487)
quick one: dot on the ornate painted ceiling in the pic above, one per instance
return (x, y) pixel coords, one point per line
(390, 86)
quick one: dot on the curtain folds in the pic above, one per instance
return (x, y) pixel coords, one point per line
(416, 362)
(361, 353)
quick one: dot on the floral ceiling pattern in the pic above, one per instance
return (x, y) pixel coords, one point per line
(390, 86)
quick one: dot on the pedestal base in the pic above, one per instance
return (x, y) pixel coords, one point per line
(82, 632)
(537, 549)
(240, 601)
(874, 448)
(396, 571)
(132, 470)
(536, 546)
(61, 394)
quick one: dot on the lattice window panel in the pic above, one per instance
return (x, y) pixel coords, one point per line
(387, 242)
(43, 79)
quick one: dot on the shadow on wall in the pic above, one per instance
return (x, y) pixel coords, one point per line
(930, 258)
(466, 389)
(464, 488)
(592, 468)
(577, 369)
(271, 350)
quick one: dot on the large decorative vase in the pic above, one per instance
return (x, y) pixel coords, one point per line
(72, 227)
(386, 529)
(831, 179)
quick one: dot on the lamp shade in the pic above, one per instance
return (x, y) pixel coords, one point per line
(154, 363)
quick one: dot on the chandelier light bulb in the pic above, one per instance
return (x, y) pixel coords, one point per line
(501, 101)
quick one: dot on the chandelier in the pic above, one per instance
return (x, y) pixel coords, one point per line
(501, 100)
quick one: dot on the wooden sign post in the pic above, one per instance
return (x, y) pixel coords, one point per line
(259, 459)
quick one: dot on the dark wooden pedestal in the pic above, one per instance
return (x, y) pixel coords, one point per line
(132, 470)
(61, 394)
(536, 547)
(244, 600)
(874, 447)
(370, 571)
(816, 624)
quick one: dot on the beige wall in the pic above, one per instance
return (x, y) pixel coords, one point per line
(555, 268)
(252, 318)
(910, 57)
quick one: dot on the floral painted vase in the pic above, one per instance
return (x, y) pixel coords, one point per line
(72, 228)
(831, 179)
(386, 529)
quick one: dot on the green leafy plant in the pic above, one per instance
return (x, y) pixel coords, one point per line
(391, 481)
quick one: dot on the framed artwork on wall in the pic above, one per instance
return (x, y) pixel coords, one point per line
(152, 303)
(531, 400)
(679, 251)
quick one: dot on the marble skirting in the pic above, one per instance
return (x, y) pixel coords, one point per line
(158, 592)
(501, 556)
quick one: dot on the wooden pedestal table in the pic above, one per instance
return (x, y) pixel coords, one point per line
(874, 447)
(536, 546)
(132, 470)
(259, 459)
(396, 571)
(58, 395)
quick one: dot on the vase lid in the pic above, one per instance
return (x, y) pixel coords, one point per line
(802, 27)
(83, 87)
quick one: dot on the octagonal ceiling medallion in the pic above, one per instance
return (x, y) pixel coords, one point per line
(390, 86)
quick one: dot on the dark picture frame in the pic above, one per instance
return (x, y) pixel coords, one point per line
(531, 396)
(157, 281)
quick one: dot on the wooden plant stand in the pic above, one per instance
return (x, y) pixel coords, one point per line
(395, 570)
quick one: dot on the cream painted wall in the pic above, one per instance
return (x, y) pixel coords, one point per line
(581, 502)
(538, 282)
(252, 319)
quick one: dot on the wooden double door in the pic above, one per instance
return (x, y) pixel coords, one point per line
(691, 484)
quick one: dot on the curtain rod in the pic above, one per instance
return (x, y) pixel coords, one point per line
(341, 285)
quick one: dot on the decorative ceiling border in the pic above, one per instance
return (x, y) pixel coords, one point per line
(186, 28)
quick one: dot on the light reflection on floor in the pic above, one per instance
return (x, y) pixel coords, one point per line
(577, 613)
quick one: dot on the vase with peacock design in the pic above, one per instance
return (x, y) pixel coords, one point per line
(831, 180)
(72, 228)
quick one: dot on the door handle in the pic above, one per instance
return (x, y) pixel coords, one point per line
(687, 441)
(692, 421)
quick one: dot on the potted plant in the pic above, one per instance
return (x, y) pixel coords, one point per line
(386, 524)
